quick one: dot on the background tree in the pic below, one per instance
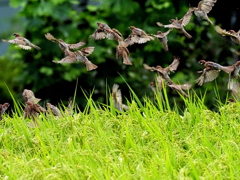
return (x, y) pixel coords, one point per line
(75, 20)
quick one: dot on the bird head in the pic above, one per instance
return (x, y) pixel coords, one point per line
(152, 84)
(202, 62)
(16, 35)
(237, 63)
(131, 27)
(171, 20)
(99, 23)
(232, 31)
(159, 67)
(159, 33)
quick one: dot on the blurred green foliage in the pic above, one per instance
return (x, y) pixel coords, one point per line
(73, 20)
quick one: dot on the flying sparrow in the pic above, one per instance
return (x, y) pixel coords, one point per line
(62, 44)
(22, 42)
(104, 31)
(203, 8)
(122, 52)
(164, 72)
(80, 56)
(179, 24)
(235, 36)
(162, 37)
(117, 98)
(137, 36)
(209, 73)
(180, 88)
(233, 72)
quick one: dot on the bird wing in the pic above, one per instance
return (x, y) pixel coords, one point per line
(186, 86)
(24, 47)
(186, 18)
(149, 68)
(98, 35)
(67, 59)
(206, 5)
(50, 37)
(223, 32)
(174, 65)
(86, 51)
(159, 82)
(211, 75)
(117, 97)
(131, 39)
(77, 45)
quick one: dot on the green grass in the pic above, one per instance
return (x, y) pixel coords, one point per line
(149, 141)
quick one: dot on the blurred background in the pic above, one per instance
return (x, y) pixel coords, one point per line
(75, 20)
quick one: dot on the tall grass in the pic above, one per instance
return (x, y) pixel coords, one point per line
(151, 140)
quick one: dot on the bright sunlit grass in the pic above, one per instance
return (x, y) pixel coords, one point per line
(149, 141)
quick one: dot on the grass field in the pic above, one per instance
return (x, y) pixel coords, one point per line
(149, 141)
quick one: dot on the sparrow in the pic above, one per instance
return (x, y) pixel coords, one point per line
(122, 52)
(164, 72)
(162, 37)
(179, 24)
(233, 72)
(51, 109)
(63, 46)
(3, 108)
(137, 36)
(180, 88)
(209, 73)
(28, 95)
(203, 8)
(235, 36)
(104, 31)
(117, 98)
(22, 42)
(32, 111)
(80, 56)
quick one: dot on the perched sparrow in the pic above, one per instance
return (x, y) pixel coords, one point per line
(233, 72)
(162, 37)
(137, 36)
(235, 36)
(62, 44)
(164, 72)
(122, 52)
(179, 24)
(180, 88)
(69, 109)
(117, 98)
(51, 109)
(3, 108)
(32, 111)
(209, 73)
(22, 42)
(80, 56)
(28, 96)
(203, 8)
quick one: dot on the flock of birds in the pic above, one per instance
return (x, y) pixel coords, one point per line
(138, 36)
